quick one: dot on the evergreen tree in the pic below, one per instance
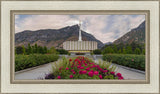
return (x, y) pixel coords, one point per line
(24, 50)
(119, 51)
(108, 50)
(29, 49)
(124, 51)
(115, 49)
(129, 50)
(45, 49)
(52, 50)
(137, 51)
(143, 51)
(19, 50)
(36, 48)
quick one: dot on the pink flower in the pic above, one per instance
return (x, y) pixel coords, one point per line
(100, 76)
(100, 69)
(119, 74)
(80, 72)
(74, 72)
(81, 67)
(70, 60)
(84, 72)
(88, 69)
(60, 68)
(71, 76)
(67, 68)
(112, 72)
(59, 77)
(90, 74)
(120, 78)
(96, 72)
(105, 71)
(132, 59)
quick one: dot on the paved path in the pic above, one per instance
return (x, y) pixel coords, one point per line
(40, 71)
(34, 73)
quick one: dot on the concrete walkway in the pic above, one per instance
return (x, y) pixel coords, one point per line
(40, 71)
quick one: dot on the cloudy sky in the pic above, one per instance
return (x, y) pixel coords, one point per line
(105, 28)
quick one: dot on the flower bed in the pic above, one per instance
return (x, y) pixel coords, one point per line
(83, 68)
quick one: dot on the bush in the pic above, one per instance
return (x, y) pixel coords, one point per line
(27, 61)
(97, 51)
(133, 61)
(82, 68)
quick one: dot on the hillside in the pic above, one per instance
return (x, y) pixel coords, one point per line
(53, 37)
(136, 35)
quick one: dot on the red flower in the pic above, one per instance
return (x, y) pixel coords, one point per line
(105, 71)
(80, 72)
(71, 76)
(119, 74)
(67, 68)
(70, 60)
(81, 67)
(60, 68)
(72, 69)
(100, 76)
(96, 72)
(90, 74)
(59, 77)
(84, 72)
(74, 72)
(88, 69)
(112, 72)
(120, 78)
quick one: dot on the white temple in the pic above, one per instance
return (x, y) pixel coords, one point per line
(80, 46)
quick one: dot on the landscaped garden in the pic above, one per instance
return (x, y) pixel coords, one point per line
(83, 68)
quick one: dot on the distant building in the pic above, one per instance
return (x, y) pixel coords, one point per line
(80, 46)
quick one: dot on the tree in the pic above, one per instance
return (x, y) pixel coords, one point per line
(124, 51)
(115, 49)
(119, 51)
(129, 50)
(52, 50)
(107, 50)
(29, 49)
(45, 49)
(143, 51)
(36, 48)
(137, 51)
(24, 50)
(97, 51)
(19, 50)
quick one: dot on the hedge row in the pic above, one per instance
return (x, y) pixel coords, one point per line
(32, 60)
(133, 61)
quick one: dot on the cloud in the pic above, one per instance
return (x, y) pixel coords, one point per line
(105, 28)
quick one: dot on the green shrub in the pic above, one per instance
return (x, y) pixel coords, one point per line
(133, 61)
(32, 60)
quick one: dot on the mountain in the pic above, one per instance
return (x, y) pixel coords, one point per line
(136, 35)
(107, 43)
(53, 37)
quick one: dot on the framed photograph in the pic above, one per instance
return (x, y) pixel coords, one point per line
(80, 47)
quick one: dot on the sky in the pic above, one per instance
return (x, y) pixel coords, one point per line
(105, 28)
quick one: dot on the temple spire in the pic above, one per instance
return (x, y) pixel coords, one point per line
(80, 37)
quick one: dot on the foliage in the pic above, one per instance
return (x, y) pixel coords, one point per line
(62, 51)
(97, 51)
(32, 60)
(138, 51)
(133, 61)
(124, 48)
(82, 68)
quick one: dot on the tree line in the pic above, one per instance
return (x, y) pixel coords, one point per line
(35, 49)
(132, 48)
